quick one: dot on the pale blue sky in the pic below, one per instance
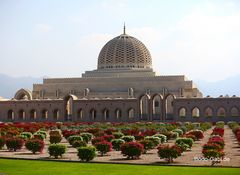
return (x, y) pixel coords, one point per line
(60, 38)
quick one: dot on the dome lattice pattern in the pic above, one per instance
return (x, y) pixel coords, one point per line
(123, 52)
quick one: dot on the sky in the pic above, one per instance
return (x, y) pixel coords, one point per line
(60, 38)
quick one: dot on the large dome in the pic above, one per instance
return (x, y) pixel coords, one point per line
(124, 52)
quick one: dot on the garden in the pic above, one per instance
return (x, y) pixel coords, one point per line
(189, 144)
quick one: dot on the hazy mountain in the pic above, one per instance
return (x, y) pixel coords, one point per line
(231, 86)
(9, 85)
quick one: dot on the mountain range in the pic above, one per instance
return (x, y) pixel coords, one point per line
(230, 86)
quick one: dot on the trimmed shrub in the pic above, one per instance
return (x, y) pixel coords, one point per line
(190, 136)
(183, 128)
(87, 137)
(2, 142)
(55, 138)
(147, 145)
(128, 138)
(169, 152)
(73, 138)
(174, 135)
(44, 133)
(213, 154)
(209, 146)
(14, 143)
(38, 136)
(156, 140)
(218, 141)
(87, 153)
(187, 141)
(132, 150)
(220, 124)
(26, 135)
(97, 139)
(116, 143)
(108, 137)
(55, 132)
(34, 145)
(218, 131)
(162, 137)
(179, 131)
(197, 133)
(103, 147)
(118, 135)
(183, 146)
(79, 143)
(56, 150)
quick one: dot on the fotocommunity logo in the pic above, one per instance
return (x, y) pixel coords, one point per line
(204, 159)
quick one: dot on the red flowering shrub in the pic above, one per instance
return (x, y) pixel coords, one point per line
(169, 152)
(97, 139)
(108, 138)
(197, 133)
(14, 143)
(218, 141)
(103, 147)
(209, 146)
(55, 136)
(147, 144)
(213, 154)
(34, 145)
(67, 133)
(190, 136)
(132, 150)
(218, 131)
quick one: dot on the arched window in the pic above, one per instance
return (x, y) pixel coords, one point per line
(169, 106)
(21, 114)
(157, 105)
(234, 112)
(144, 106)
(118, 114)
(208, 112)
(10, 114)
(44, 114)
(55, 114)
(131, 113)
(33, 114)
(93, 114)
(195, 112)
(221, 112)
(80, 114)
(182, 112)
(105, 114)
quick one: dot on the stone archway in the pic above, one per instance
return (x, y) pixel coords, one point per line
(68, 106)
(144, 107)
(157, 107)
(169, 98)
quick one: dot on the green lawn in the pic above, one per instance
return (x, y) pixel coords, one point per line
(34, 167)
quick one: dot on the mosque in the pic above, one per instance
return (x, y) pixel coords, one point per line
(123, 88)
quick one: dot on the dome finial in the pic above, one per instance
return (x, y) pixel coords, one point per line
(124, 29)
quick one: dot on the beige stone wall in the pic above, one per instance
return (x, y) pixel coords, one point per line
(115, 87)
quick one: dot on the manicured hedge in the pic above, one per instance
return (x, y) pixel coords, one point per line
(132, 150)
(87, 153)
(56, 150)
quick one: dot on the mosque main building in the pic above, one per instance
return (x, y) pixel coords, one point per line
(123, 88)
